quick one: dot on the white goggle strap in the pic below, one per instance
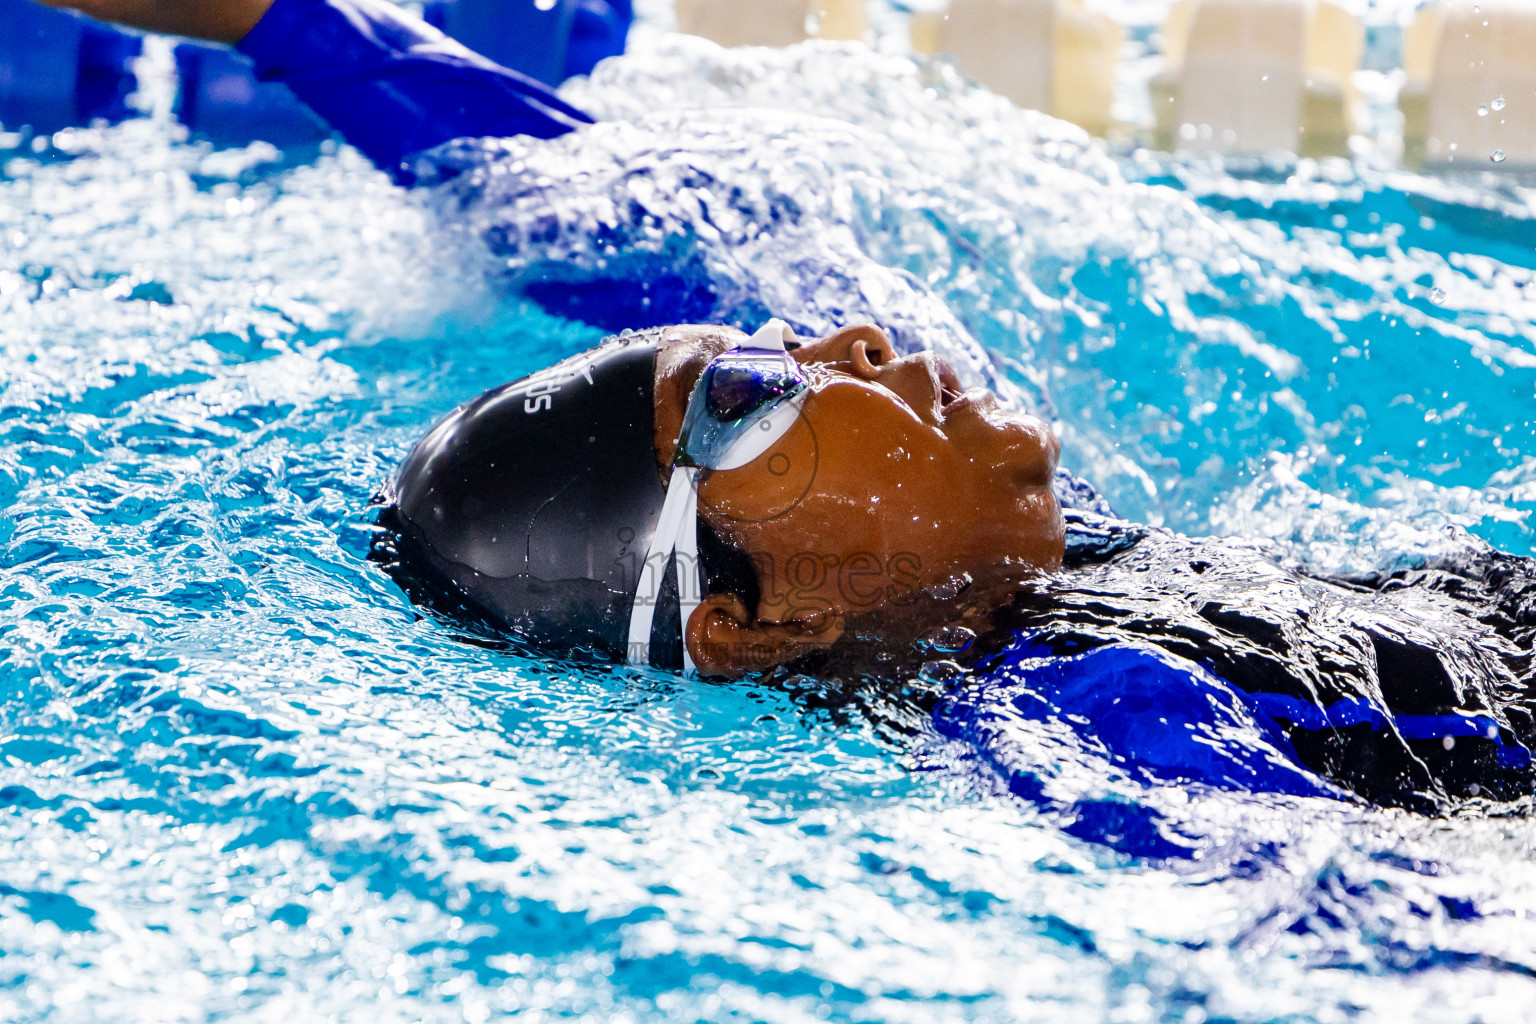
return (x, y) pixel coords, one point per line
(690, 573)
(763, 434)
(676, 531)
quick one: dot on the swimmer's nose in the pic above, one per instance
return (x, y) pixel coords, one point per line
(923, 381)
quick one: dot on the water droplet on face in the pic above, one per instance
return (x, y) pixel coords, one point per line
(1498, 104)
(1482, 111)
(1497, 156)
(1437, 296)
(940, 671)
(949, 639)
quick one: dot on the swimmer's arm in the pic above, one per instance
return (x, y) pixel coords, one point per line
(227, 21)
(392, 85)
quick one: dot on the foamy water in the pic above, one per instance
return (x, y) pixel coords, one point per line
(243, 780)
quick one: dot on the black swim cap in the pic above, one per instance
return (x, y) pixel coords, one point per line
(530, 509)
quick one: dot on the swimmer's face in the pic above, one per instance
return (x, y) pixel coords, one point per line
(892, 481)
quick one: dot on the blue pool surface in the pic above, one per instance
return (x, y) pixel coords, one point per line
(242, 780)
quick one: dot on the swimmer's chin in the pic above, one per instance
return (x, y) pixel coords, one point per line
(1023, 450)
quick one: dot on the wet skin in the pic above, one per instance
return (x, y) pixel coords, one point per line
(227, 21)
(893, 480)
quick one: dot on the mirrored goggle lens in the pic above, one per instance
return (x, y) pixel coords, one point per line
(736, 392)
(738, 389)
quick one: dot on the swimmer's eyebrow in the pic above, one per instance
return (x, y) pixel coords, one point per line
(686, 374)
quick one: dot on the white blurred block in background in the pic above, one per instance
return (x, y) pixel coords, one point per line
(1254, 76)
(1052, 55)
(1470, 96)
(772, 22)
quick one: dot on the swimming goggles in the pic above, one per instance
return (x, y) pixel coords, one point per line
(746, 399)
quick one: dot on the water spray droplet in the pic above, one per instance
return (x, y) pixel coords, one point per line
(1482, 111)
(1498, 104)
(1497, 156)
(1437, 296)
(949, 639)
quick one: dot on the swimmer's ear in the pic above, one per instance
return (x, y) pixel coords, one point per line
(723, 639)
(863, 348)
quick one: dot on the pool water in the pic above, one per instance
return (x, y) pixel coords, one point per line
(243, 780)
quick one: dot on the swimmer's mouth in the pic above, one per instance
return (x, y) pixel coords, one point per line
(953, 398)
(950, 390)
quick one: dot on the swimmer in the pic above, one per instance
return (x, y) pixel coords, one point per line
(694, 497)
(691, 497)
(697, 497)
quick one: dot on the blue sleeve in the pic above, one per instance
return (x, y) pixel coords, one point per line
(394, 86)
(598, 30)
